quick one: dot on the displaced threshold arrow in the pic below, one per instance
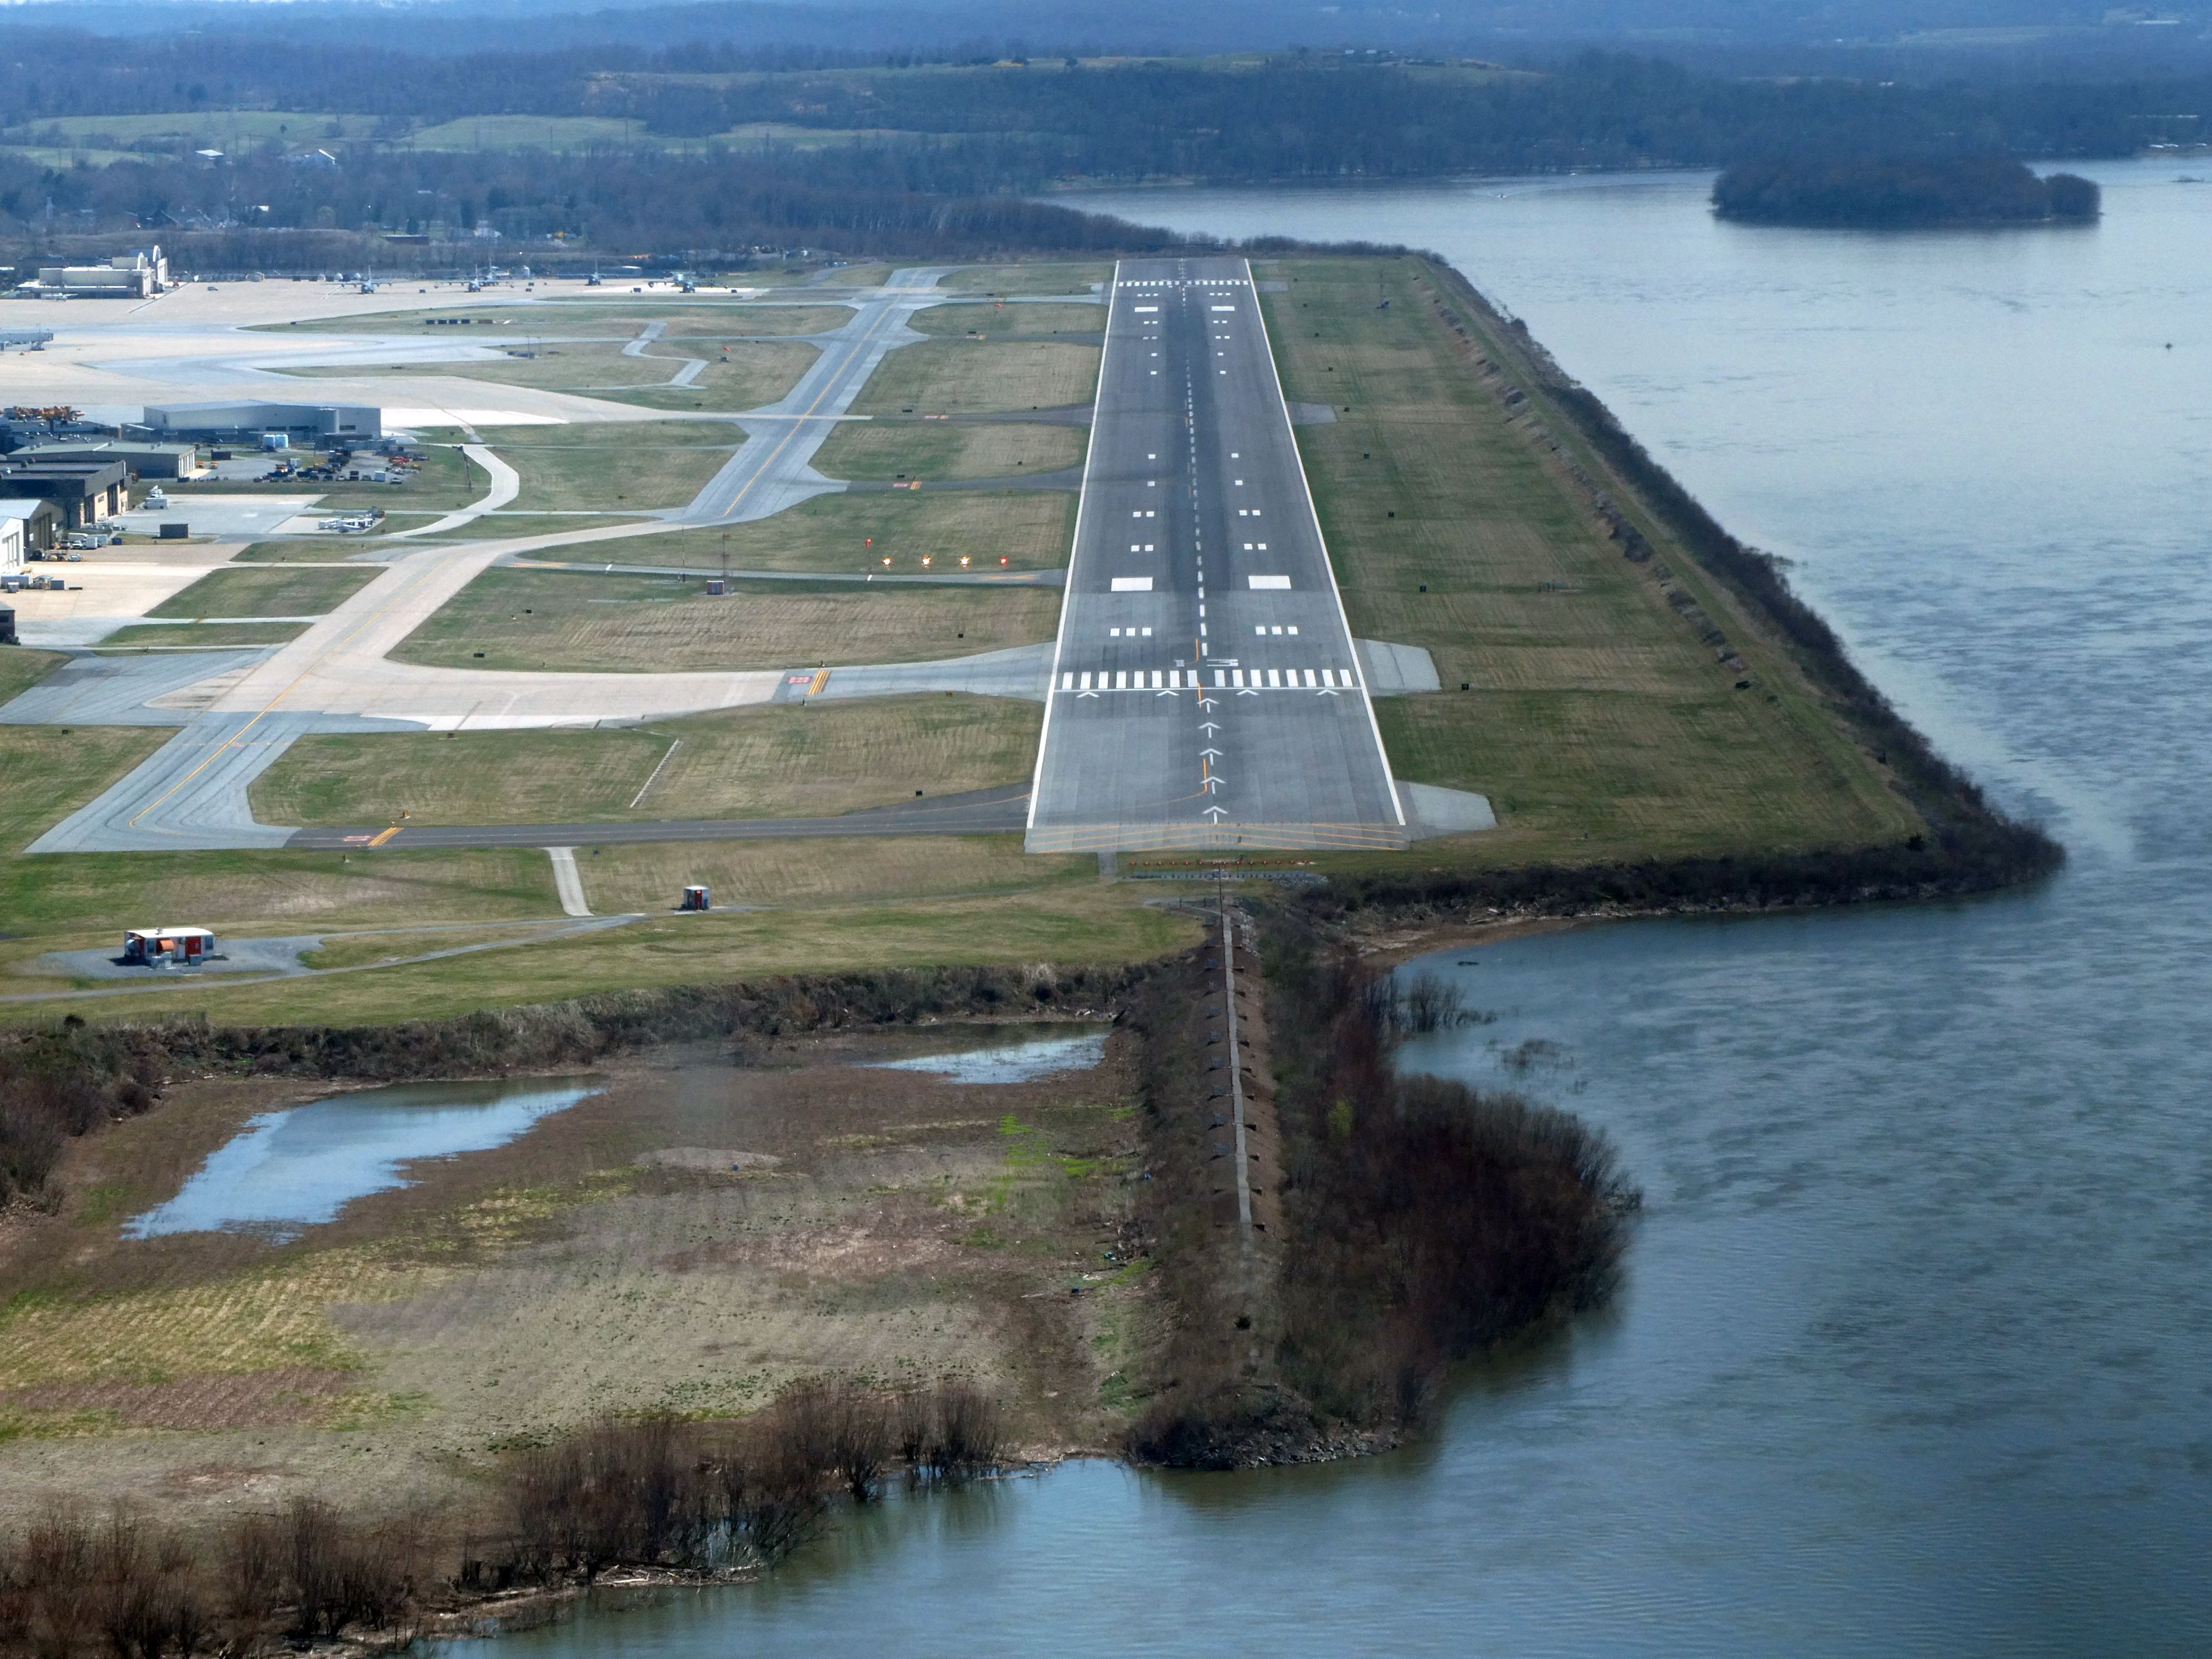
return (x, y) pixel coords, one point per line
(1216, 814)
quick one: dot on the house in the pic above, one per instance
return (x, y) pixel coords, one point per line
(86, 490)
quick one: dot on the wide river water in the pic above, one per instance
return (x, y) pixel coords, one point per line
(1914, 1354)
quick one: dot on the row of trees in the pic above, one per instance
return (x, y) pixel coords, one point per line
(1285, 117)
(704, 1497)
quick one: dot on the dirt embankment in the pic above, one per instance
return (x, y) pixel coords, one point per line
(1408, 1223)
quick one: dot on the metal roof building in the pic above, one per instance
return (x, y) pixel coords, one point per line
(315, 423)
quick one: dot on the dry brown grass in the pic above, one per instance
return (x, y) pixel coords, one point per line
(907, 1230)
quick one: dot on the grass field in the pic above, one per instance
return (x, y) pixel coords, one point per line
(612, 465)
(220, 129)
(731, 322)
(1027, 278)
(51, 771)
(777, 759)
(938, 449)
(827, 904)
(1025, 322)
(1595, 720)
(569, 620)
(208, 637)
(270, 591)
(967, 377)
(1031, 530)
(22, 668)
(756, 372)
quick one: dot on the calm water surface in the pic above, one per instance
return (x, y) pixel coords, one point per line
(1916, 1354)
(1020, 1062)
(286, 1171)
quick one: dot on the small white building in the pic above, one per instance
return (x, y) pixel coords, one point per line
(164, 947)
(11, 544)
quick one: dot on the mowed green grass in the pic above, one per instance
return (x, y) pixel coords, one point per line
(268, 591)
(611, 465)
(582, 621)
(1013, 322)
(890, 451)
(976, 377)
(973, 900)
(1044, 277)
(1031, 530)
(22, 668)
(1596, 721)
(712, 324)
(51, 772)
(777, 760)
(208, 637)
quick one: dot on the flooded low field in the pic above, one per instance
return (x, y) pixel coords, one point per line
(369, 1294)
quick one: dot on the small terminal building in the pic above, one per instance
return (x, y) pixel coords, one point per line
(315, 426)
(167, 947)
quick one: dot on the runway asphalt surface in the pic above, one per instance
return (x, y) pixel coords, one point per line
(1205, 691)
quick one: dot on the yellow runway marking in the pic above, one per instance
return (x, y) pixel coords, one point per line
(378, 839)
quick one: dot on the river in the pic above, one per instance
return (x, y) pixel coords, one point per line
(1914, 1354)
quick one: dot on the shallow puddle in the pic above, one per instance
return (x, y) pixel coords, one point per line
(289, 1170)
(1008, 1062)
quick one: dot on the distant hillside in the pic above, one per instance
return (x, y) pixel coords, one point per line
(1879, 192)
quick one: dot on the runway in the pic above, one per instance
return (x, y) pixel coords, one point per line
(1205, 691)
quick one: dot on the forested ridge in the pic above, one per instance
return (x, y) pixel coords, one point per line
(715, 149)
